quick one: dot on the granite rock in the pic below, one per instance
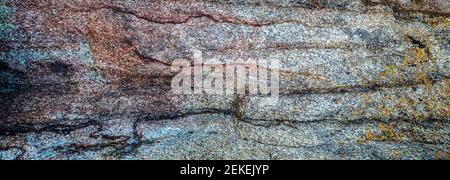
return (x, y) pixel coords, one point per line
(359, 79)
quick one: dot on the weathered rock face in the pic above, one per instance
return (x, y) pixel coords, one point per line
(360, 79)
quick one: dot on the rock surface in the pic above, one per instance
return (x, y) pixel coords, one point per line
(360, 79)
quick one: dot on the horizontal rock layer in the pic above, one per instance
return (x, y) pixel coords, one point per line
(364, 79)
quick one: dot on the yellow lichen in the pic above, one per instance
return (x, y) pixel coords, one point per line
(356, 113)
(366, 98)
(416, 56)
(382, 133)
(389, 70)
(387, 133)
(421, 55)
(368, 134)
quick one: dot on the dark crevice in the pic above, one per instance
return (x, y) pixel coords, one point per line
(59, 68)
(4, 46)
(359, 88)
(4, 66)
(147, 58)
(416, 42)
(282, 145)
(78, 148)
(131, 148)
(24, 128)
(237, 110)
(178, 115)
(217, 18)
(404, 13)
(268, 123)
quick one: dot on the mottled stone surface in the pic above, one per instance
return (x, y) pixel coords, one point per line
(90, 79)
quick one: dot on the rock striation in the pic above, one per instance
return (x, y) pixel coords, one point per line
(359, 79)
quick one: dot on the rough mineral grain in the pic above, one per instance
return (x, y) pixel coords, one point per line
(91, 79)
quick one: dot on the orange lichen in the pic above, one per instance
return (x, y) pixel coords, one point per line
(382, 133)
(438, 22)
(383, 111)
(442, 155)
(448, 152)
(423, 78)
(394, 155)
